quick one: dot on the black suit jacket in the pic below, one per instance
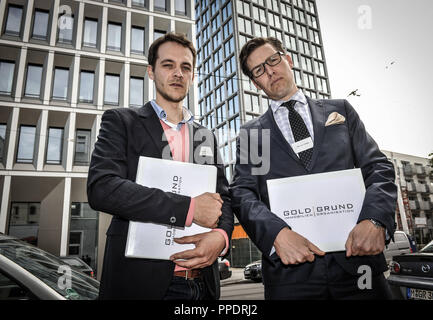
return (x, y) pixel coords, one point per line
(124, 136)
(336, 147)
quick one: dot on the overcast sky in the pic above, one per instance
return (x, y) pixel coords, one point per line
(396, 103)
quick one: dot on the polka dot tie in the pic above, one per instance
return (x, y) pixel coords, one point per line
(299, 130)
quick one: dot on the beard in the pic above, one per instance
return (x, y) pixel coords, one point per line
(169, 97)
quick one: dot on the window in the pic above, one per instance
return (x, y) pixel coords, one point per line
(60, 88)
(33, 82)
(180, 7)
(90, 33)
(114, 36)
(259, 14)
(6, 76)
(24, 221)
(54, 148)
(86, 86)
(243, 8)
(75, 243)
(26, 144)
(2, 140)
(66, 27)
(82, 147)
(137, 40)
(260, 30)
(157, 34)
(40, 24)
(12, 290)
(244, 25)
(111, 89)
(160, 5)
(139, 3)
(13, 23)
(136, 92)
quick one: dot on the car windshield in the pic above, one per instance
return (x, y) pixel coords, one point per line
(428, 248)
(51, 270)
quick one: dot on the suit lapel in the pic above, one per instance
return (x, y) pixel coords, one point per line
(151, 123)
(191, 126)
(318, 117)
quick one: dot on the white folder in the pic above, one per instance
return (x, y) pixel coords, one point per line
(155, 241)
(321, 207)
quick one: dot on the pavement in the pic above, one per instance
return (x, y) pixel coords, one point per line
(237, 276)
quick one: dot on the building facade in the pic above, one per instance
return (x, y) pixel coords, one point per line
(414, 177)
(62, 63)
(227, 98)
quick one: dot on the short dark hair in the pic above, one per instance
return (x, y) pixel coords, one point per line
(252, 45)
(179, 38)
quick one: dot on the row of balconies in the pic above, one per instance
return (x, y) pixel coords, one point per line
(413, 187)
(420, 171)
(420, 205)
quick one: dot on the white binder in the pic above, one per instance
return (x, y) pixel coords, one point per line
(322, 207)
(155, 241)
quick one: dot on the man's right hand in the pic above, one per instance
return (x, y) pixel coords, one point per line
(207, 209)
(292, 248)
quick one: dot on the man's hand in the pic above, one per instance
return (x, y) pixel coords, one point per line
(207, 209)
(208, 247)
(292, 248)
(365, 239)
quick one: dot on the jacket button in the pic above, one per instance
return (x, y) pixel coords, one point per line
(173, 219)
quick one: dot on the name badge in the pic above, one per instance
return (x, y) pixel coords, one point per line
(206, 152)
(302, 145)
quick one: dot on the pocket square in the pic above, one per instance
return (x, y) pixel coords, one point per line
(334, 118)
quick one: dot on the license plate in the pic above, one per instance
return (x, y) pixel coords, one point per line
(419, 294)
(247, 273)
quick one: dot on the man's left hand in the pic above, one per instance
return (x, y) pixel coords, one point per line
(208, 247)
(365, 239)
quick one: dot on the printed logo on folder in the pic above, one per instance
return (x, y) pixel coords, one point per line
(156, 241)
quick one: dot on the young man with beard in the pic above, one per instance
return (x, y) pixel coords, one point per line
(125, 135)
(334, 138)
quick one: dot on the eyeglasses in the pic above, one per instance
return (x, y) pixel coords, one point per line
(271, 61)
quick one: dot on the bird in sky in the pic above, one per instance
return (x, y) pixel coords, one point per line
(354, 93)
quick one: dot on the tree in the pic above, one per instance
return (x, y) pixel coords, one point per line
(431, 159)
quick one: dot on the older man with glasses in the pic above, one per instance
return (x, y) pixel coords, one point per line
(333, 138)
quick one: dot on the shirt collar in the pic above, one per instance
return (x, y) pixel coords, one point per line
(187, 115)
(298, 96)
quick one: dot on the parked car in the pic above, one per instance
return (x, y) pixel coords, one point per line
(224, 269)
(412, 275)
(400, 245)
(79, 265)
(253, 271)
(30, 273)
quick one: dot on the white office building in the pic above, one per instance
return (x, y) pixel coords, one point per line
(62, 63)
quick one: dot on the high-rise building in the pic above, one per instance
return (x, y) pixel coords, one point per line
(414, 178)
(62, 63)
(227, 98)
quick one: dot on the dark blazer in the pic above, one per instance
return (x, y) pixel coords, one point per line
(124, 136)
(336, 147)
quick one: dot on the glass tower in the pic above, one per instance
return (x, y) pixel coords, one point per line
(227, 98)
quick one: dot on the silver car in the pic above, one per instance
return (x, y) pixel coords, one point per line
(30, 273)
(400, 245)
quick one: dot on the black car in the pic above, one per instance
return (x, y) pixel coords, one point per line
(224, 269)
(412, 275)
(79, 264)
(253, 271)
(30, 273)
